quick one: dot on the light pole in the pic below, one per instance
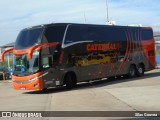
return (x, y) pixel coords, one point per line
(107, 11)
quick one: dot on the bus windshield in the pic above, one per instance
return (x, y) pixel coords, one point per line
(23, 67)
(27, 38)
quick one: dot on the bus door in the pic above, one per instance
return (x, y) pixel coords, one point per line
(47, 71)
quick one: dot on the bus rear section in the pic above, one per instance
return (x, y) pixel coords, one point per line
(106, 51)
(148, 46)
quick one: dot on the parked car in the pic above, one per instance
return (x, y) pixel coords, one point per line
(6, 73)
(10, 69)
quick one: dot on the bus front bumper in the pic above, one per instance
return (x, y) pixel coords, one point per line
(32, 82)
(21, 85)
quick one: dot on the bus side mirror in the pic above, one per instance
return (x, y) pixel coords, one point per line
(4, 52)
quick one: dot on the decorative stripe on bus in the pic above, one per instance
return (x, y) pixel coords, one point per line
(70, 44)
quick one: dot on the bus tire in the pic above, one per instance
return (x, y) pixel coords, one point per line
(132, 71)
(44, 90)
(140, 70)
(69, 81)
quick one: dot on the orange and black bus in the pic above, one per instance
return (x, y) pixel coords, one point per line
(65, 53)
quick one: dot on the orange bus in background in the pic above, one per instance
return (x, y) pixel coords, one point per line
(64, 54)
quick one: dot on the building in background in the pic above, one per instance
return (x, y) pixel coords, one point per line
(6, 67)
(9, 55)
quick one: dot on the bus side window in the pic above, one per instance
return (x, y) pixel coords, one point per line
(46, 62)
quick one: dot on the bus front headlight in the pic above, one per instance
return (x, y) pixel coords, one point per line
(33, 79)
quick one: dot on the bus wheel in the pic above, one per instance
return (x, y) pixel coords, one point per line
(140, 70)
(44, 90)
(69, 82)
(132, 71)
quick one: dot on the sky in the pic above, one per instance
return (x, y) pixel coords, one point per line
(16, 15)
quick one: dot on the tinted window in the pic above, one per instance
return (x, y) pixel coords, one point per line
(111, 34)
(82, 33)
(28, 38)
(74, 34)
(120, 34)
(147, 34)
(55, 33)
(94, 33)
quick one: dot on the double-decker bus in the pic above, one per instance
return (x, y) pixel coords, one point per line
(64, 54)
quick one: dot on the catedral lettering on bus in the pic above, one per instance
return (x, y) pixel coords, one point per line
(60, 54)
(93, 47)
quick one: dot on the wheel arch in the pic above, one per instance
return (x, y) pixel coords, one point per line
(72, 73)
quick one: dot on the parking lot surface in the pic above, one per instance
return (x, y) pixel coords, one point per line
(137, 94)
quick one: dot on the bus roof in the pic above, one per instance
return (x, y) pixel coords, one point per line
(65, 24)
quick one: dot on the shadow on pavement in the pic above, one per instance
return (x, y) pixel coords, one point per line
(94, 84)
